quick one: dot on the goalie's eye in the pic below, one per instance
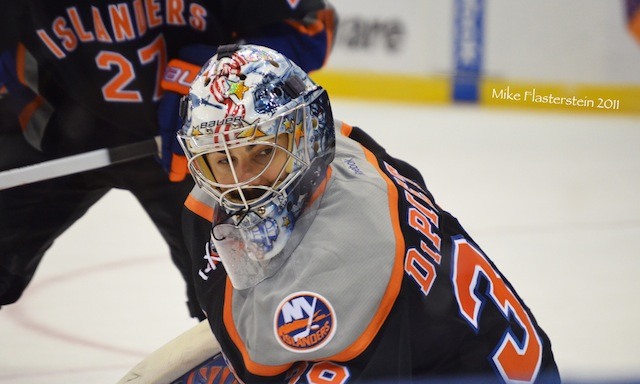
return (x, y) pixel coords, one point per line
(260, 154)
(258, 164)
(263, 154)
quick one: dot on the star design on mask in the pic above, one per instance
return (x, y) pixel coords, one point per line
(287, 125)
(299, 133)
(252, 131)
(236, 88)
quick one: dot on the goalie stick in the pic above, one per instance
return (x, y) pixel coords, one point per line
(77, 163)
(174, 359)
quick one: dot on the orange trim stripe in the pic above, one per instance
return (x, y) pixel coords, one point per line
(634, 25)
(20, 63)
(27, 112)
(327, 17)
(253, 367)
(199, 208)
(395, 282)
(179, 168)
(346, 129)
(306, 29)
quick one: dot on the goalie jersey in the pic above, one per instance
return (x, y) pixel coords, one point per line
(384, 284)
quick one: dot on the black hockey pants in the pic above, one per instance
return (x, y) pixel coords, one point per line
(34, 215)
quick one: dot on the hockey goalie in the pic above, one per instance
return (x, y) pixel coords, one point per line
(320, 258)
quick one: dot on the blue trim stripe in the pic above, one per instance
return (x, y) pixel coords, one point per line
(468, 49)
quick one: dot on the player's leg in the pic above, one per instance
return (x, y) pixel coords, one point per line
(33, 216)
(163, 201)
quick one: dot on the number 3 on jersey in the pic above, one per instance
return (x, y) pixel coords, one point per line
(516, 360)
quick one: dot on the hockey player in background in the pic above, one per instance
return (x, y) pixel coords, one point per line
(77, 76)
(319, 257)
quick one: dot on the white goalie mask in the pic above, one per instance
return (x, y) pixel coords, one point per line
(259, 137)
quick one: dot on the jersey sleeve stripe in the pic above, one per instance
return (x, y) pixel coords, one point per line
(395, 281)
(256, 368)
(199, 208)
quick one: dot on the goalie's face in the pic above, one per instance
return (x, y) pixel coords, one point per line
(245, 173)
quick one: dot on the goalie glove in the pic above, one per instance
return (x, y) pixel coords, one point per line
(177, 78)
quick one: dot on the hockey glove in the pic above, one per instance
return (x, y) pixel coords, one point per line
(177, 78)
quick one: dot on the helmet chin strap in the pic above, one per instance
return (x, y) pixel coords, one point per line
(213, 233)
(242, 213)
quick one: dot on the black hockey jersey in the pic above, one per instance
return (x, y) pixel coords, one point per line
(97, 66)
(383, 285)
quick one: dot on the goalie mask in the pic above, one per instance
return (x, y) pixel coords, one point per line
(259, 137)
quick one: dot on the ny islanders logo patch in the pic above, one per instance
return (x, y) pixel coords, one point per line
(304, 322)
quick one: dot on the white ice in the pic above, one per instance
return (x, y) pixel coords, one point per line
(553, 199)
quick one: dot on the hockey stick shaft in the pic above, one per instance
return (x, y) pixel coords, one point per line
(77, 163)
(174, 359)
